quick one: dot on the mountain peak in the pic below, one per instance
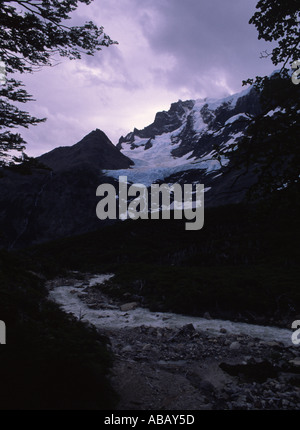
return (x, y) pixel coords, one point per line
(96, 134)
(164, 122)
(94, 150)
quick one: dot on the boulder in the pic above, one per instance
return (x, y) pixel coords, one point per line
(295, 362)
(235, 346)
(127, 348)
(207, 316)
(128, 307)
(187, 329)
(251, 371)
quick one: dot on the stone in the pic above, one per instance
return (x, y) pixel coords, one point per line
(93, 306)
(234, 346)
(127, 348)
(128, 307)
(295, 362)
(272, 344)
(223, 330)
(207, 316)
(251, 371)
(147, 347)
(187, 329)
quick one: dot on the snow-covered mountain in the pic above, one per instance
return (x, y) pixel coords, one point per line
(182, 145)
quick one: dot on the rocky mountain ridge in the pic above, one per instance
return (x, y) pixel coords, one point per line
(182, 146)
(55, 195)
(38, 204)
(94, 151)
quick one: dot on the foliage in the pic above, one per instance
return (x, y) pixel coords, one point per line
(32, 35)
(278, 20)
(270, 147)
(50, 360)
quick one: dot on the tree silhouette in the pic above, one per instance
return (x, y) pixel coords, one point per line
(270, 147)
(34, 34)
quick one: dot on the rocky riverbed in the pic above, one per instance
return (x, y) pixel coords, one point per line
(173, 362)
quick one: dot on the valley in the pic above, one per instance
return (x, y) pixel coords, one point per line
(166, 361)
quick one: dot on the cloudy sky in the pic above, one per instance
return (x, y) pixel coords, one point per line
(168, 50)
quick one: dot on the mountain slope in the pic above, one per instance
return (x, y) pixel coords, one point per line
(182, 145)
(38, 204)
(94, 150)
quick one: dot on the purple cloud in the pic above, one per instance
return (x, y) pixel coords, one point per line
(168, 50)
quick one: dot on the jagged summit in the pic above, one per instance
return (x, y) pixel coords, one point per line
(194, 116)
(94, 150)
(164, 122)
(181, 143)
(178, 147)
(183, 146)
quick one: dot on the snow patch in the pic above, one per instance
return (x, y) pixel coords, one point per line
(238, 117)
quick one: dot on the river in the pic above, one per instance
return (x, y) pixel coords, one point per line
(112, 318)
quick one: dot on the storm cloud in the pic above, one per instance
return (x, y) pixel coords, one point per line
(167, 50)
